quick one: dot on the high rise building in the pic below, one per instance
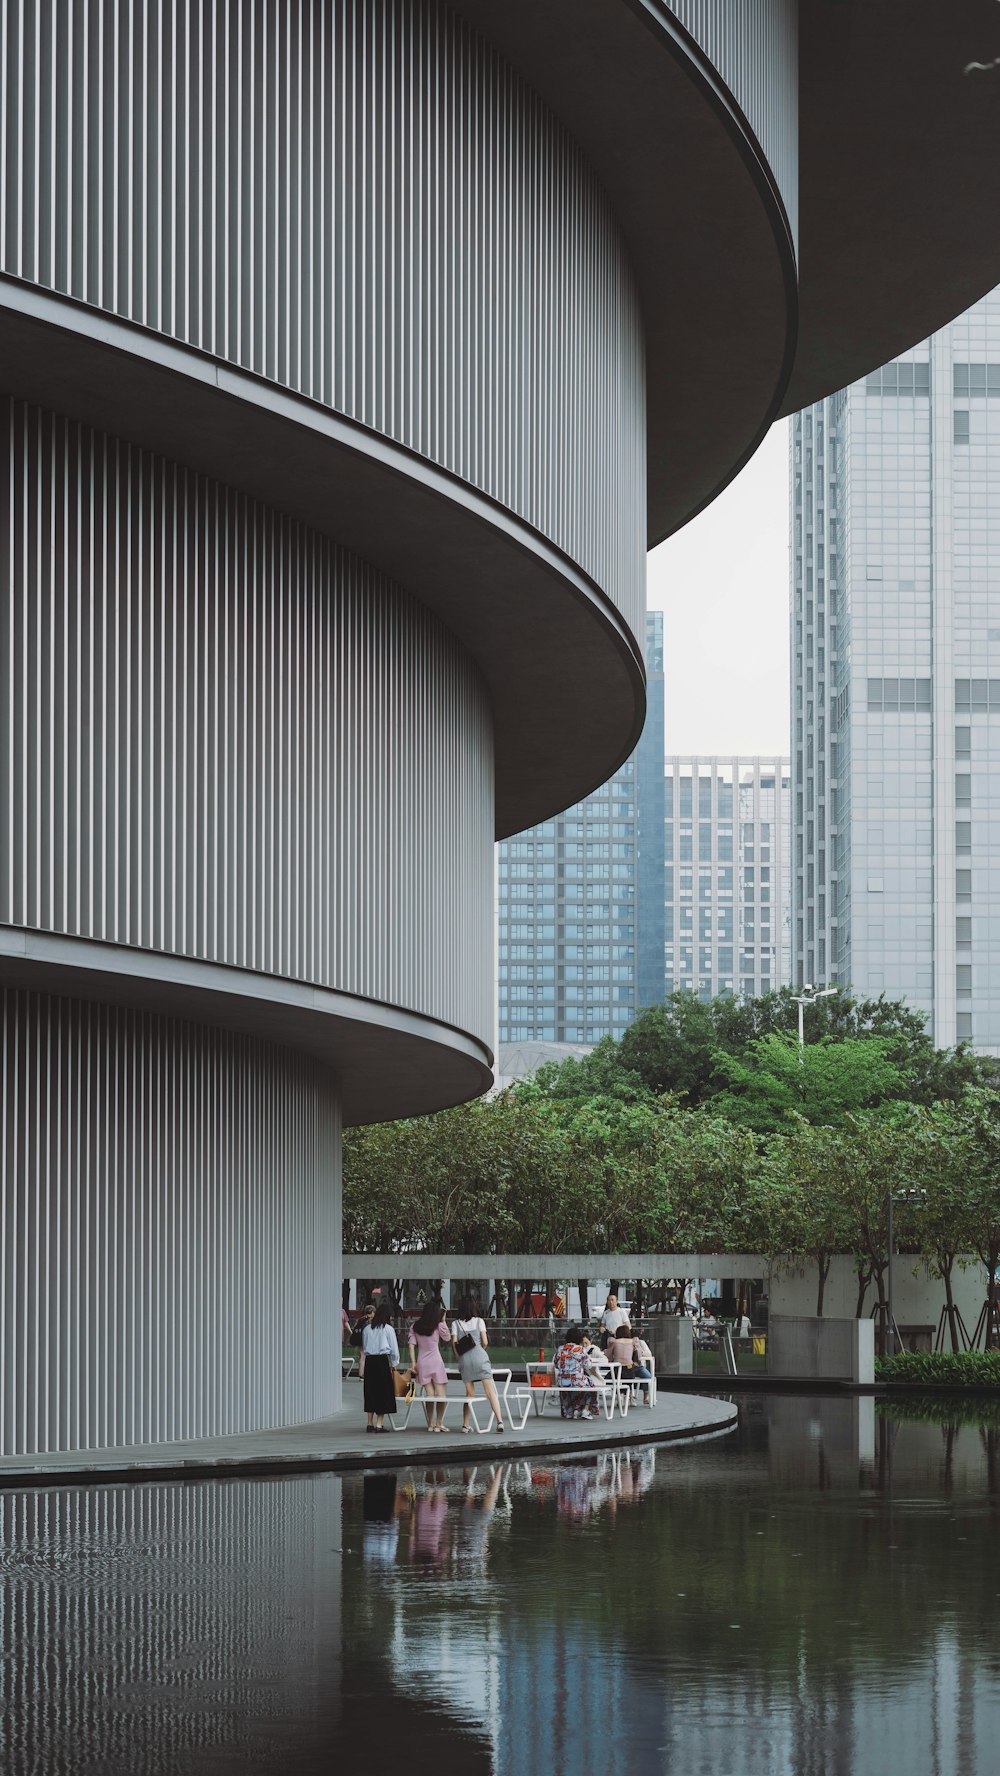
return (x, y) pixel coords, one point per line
(726, 877)
(895, 650)
(580, 900)
(675, 874)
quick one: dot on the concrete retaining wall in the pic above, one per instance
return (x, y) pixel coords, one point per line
(831, 1350)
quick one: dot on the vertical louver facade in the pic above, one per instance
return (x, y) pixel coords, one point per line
(351, 355)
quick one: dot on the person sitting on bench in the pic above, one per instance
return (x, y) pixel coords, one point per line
(572, 1373)
(624, 1348)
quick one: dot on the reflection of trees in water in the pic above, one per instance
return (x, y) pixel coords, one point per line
(797, 1581)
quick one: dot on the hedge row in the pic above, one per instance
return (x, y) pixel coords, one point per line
(947, 1368)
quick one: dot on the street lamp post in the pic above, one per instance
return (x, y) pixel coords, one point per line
(809, 996)
(916, 1198)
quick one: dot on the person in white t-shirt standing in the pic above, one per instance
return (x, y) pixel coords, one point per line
(612, 1317)
(470, 1339)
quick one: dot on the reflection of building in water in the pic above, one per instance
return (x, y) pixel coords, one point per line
(166, 1626)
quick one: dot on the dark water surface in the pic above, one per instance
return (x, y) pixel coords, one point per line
(816, 1593)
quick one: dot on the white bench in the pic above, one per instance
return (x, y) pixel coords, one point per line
(637, 1386)
(453, 1404)
(611, 1391)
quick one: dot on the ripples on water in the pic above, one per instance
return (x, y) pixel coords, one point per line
(817, 1594)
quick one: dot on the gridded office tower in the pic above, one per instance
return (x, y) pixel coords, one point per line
(896, 681)
(580, 900)
(726, 877)
(351, 357)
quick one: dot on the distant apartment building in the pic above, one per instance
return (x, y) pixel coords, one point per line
(726, 875)
(580, 900)
(895, 654)
(675, 874)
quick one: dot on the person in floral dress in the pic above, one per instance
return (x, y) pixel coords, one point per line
(572, 1372)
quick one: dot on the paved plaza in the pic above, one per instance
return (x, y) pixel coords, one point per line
(341, 1442)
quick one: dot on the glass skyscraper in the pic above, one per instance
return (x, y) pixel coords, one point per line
(726, 850)
(580, 900)
(895, 652)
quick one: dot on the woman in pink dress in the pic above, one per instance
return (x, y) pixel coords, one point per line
(427, 1335)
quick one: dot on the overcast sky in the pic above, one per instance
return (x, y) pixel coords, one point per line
(722, 584)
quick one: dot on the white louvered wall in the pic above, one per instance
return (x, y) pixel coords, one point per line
(225, 738)
(358, 200)
(754, 45)
(170, 1229)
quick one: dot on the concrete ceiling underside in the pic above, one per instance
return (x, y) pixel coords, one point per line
(898, 198)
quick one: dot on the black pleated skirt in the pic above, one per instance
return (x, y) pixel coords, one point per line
(380, 1394)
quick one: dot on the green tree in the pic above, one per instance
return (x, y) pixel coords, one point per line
(942, 1163)
(800, 1205)
(670, 1048)
(602, 1073)
(871, 1156)
(977, 1124)
(822, 1082)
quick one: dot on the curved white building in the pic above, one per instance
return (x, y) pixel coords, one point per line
(351, 355)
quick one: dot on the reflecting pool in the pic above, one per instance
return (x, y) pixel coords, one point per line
(816, 1593)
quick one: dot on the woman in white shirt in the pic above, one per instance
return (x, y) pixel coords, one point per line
(473, 1363)
(379, 1356)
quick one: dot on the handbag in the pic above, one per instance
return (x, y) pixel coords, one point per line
(466, 1343)
(402, 1381)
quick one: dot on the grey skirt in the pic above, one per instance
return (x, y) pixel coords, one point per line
(474, 1365)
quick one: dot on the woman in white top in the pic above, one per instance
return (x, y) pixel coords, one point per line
(379, 1356)
(473, 1363)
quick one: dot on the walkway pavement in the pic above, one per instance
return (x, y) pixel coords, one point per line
(341, 1442)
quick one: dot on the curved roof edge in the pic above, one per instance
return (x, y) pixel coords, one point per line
(706, 228)
(558, 657)
(899, 180)
(389, 1062)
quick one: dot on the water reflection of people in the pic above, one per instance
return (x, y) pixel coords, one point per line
(381, 1502)
(430, 1517)
(474, 1519)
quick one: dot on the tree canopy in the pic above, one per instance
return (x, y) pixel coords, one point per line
(754, 1145)
(675, 1048)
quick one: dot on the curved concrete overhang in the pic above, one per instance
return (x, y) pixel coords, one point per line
(388, 1062)
(899, 186)
(707, 233)
(564, 672)
(900, 179)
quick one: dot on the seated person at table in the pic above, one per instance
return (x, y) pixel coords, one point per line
(597, 1363)
(624, 1349)
(571, 1372)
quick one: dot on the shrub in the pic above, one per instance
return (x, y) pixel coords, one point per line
(942, 1368)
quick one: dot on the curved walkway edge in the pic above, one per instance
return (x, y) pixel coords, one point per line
(340, 1444)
